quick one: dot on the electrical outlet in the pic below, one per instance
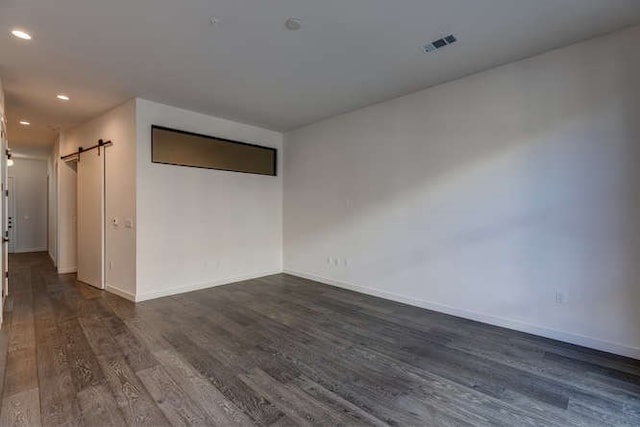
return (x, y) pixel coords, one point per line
(560, 297)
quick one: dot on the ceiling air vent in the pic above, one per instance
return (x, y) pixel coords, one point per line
(440, 43)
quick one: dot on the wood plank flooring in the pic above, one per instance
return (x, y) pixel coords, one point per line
(285, 351)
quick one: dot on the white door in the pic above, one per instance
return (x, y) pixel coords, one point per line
(4, 204)
(91, 218)
(11, 220)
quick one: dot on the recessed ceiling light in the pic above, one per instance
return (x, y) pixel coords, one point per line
(293, 24)
(24, 123)
(63, 97)
(21, 34)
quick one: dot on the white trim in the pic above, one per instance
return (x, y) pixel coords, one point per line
(53, 260)
(27, 250)
(121, 293)
(183, 289)
(39, 156)
(67, 270)
(517, 325)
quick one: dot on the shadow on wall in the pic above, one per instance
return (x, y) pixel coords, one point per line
(492, 194)
(71, 165)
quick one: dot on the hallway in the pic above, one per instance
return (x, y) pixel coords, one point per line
(286, 351)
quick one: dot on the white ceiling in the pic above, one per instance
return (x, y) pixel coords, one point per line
(348, 54)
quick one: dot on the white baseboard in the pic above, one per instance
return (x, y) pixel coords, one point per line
(67, 270)
(183, 289)
(517, 325)
(27, 250)
(120, 292)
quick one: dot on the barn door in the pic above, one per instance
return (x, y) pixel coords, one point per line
(91, 201)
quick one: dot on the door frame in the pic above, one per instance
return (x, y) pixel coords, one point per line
(4, 201)
(12, 230)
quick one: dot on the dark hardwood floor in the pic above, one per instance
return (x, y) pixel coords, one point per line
(285, 351)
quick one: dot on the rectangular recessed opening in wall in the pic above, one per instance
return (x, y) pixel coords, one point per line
(181, 148)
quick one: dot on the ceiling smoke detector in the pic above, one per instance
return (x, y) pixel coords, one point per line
(440, 43)
(293, 24)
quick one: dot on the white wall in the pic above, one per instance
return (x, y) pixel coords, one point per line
(117, 125)
(30, 182)
(3, 179)
(199, 227)
(1, 101)
(486, 196)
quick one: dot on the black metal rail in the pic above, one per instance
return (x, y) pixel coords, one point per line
(81, 150)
